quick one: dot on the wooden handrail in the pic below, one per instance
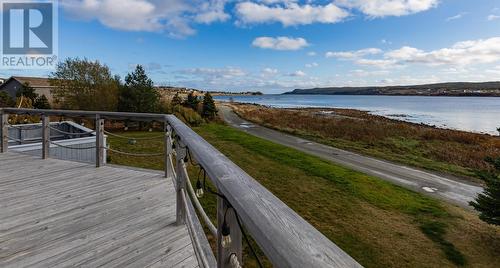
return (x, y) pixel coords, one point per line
(89, 114)
(285, 237)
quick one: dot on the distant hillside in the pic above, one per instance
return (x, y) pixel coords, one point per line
(440, 89)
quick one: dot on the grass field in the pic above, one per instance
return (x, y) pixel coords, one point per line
(448, 151)
(379, 224)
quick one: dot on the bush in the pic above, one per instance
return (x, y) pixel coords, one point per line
(192, 101)
(27, 91)
(176, 100)
(488, 202)
(188, 115)
(41, 103)
(6, 100)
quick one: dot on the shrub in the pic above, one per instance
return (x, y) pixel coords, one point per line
(209, 110)
(192, 101)
(41, 103)
(188, 115)
(488, 202)
(6, 100)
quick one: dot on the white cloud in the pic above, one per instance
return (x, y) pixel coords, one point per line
(172, 16)
(456, 17)
(280, 43)
(311, 65)
(380, 63)
(237, 79)
(311, 53)
(472, 52)
(493, 17)
(214, 73)
(353, 54)
(365, 73)
(386, 81)
(211, 11)
(269, 71)
(383, 8)
(288, 13)
(461, 53)
(298, 73)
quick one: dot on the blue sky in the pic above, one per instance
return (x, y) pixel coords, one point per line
(278, 45)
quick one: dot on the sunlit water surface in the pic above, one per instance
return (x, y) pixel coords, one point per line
(475, 114)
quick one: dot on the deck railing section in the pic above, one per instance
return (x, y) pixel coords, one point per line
(242, 203)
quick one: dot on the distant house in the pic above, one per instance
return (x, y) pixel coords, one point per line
(2, 80)
(41, 85)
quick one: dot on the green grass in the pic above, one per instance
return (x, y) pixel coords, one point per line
(436, 231)
(376, 222)
(355, 184)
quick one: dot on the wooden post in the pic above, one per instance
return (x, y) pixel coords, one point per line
(45, 136)
(99, 141)
(20, 135)
(4, 132)
(168, 150)
(224, 254)
(181, 183)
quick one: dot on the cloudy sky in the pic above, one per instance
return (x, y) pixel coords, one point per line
(278, 45)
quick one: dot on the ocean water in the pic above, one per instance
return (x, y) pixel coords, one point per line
(474, 114)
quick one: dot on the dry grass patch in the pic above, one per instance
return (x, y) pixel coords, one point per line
(448, 151)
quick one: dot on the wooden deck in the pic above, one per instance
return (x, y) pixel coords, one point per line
(56, 213)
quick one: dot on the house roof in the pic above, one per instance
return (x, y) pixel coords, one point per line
(33, 81)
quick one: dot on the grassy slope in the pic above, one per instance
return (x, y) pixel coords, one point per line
(379, 224)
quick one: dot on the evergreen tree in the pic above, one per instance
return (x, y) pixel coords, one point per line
(488, 202)
(41, 103)
(27, 91)
(6, 100)
(176, 100)
(138, 94)
(209, 109)
(192, 101)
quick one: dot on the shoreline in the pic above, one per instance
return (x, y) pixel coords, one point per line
(400, 118)
(402, 95)
(456, 152)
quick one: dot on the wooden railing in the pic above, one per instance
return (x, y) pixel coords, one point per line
(285, 238)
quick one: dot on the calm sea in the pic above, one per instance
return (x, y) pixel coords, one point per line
(475, 114)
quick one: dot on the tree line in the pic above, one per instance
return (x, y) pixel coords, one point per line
(89, 85)
(81, 84)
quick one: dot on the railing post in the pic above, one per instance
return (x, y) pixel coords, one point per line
(180, 183)
(4, 132)
(226, 215)
(20, 135)
(45, 136)
(99, 141)
(168, 150)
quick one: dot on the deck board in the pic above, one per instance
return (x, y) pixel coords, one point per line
(56, 213)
